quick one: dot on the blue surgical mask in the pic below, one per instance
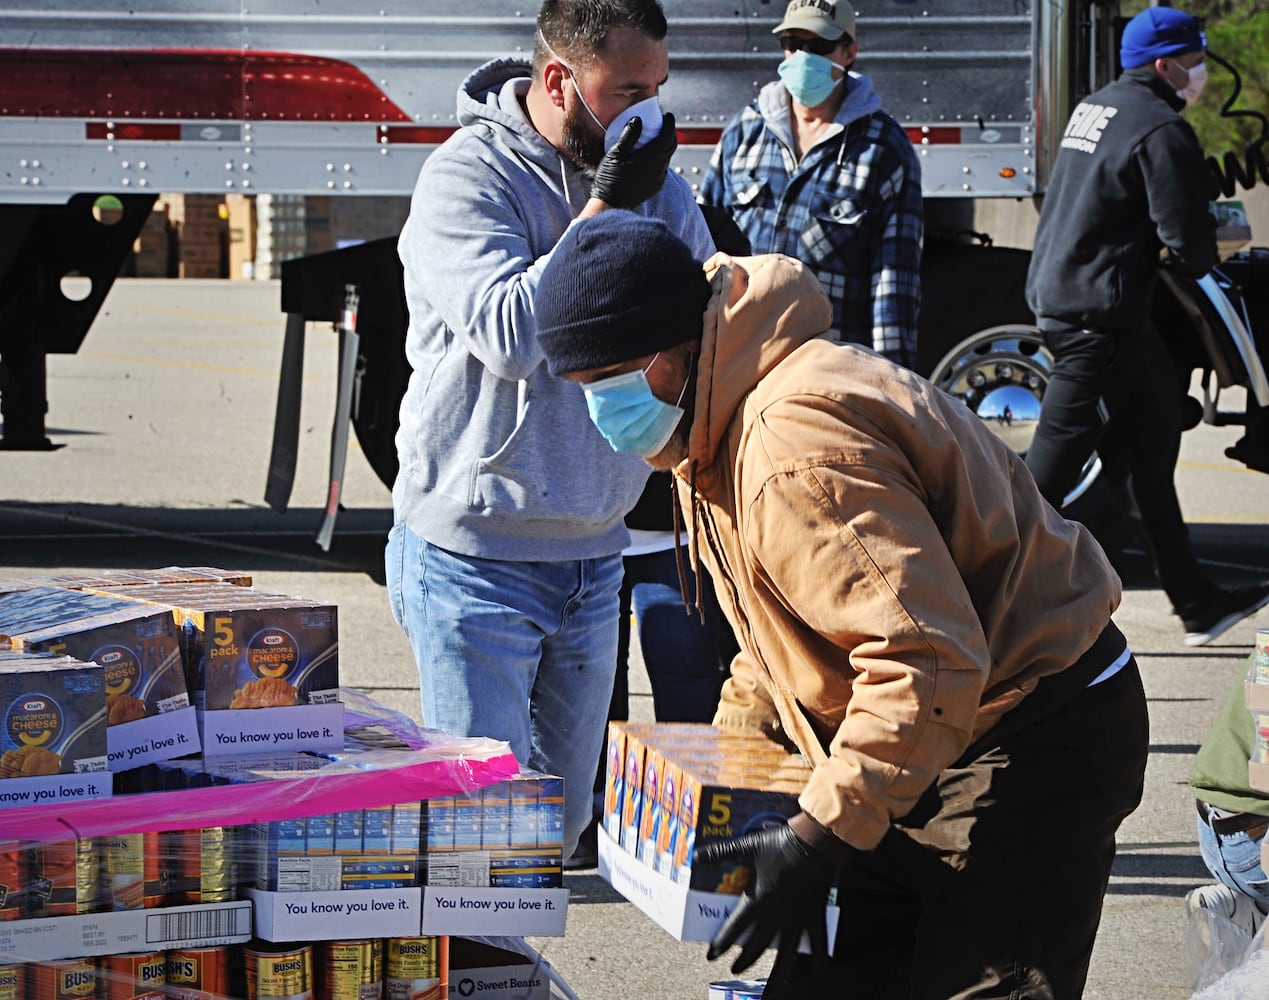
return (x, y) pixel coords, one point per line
(629, 415)
(809, 78)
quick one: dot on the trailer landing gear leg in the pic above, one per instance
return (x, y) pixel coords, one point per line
(47, 254)
(23, 401)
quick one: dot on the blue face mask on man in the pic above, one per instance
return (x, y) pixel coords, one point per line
(809, 78)
(629, 415)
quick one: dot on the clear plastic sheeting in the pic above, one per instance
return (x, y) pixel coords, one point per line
(1222, 962)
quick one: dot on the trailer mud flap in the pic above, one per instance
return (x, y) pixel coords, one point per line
(349, 346)
(286, 418)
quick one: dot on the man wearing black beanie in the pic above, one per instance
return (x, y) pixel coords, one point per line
(913, 617)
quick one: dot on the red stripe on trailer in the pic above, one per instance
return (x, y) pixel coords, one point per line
(423, 134)
(698, 136)
(133, 131)
(188, 84)
(937, 135)
(434, 135)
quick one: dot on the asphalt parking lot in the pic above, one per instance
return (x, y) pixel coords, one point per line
(163, 422)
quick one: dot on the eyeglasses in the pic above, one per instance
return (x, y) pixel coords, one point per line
(816, 46)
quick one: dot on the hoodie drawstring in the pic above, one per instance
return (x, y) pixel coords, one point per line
(696, 603)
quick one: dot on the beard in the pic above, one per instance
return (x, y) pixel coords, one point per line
(581, 145)
(675, 450)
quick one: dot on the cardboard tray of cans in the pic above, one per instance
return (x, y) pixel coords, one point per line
(394, 968)
(367, 966)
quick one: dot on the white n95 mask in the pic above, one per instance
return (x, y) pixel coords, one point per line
(648, 111)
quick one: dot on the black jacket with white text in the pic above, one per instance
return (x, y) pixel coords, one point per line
(1130, 178)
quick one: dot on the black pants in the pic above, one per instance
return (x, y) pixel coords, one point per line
(1116, 392)
(992, 887)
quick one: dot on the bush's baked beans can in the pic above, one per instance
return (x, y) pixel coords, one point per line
(132, 866)
(64, 878)
(12, 982)
(199, 973)
(350, 970)
(279, 972)
(201, 866)
(131, 977)
(68, 979)
(416, 968)
(13, 856)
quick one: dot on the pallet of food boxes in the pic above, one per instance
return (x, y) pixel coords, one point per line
(190, 803)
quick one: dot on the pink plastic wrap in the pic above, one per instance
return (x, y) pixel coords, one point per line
(450, 766)
(435, 765)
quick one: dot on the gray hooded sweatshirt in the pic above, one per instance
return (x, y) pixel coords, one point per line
(498, 459)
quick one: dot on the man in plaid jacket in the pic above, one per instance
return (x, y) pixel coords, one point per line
(816, 170)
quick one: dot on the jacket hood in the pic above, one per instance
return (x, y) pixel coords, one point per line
(490, 96)
(860, 102)
(760, 310)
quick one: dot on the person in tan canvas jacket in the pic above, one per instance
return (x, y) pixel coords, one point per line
(913, 617)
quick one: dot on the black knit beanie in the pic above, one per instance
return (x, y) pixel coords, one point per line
(618, 286)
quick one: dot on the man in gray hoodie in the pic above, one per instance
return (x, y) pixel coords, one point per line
(504, 564)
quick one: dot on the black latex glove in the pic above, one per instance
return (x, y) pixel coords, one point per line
(627, 177)
(789, 894)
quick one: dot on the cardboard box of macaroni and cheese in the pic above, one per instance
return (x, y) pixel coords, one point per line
(681, 786)
(53, 729)
(262, 668)
(148, 711)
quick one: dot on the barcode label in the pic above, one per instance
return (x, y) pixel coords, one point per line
(166, 927)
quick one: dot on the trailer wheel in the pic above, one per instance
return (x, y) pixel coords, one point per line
(1001, 373)
(980, 344)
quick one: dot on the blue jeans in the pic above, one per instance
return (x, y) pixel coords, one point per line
(516, 651)
(684, 657)
(1234, 860)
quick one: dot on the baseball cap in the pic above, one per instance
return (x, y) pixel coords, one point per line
(1158, 32)
(827, 18)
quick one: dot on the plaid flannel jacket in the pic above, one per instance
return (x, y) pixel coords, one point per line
(851, 210)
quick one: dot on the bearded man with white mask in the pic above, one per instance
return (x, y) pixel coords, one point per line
(815, 169)
(1129, 183)
(504, 562)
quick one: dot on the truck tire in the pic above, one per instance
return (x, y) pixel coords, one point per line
(979, 342)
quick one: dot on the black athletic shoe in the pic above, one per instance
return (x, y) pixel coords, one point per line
(1225, 610)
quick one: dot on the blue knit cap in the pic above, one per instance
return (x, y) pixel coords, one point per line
(618, 286)
(1158, 32)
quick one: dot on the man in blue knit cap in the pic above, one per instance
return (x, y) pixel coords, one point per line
(1129, 183)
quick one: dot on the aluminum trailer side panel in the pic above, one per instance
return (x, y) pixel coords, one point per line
(330, 97)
